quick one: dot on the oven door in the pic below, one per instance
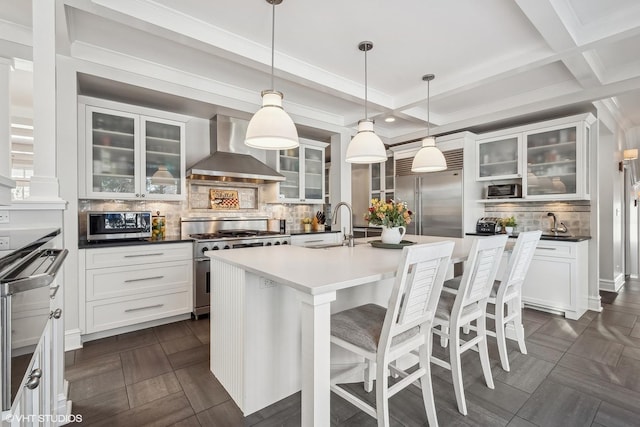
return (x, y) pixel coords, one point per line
(201, 293)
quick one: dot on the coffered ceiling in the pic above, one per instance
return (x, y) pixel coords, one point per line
(495, 61)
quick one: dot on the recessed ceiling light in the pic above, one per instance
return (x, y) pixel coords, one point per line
(390, 119)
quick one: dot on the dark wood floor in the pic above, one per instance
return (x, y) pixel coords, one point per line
(577, 373)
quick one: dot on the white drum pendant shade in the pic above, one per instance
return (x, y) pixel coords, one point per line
(429, 158)
(271, 128)
(366, 146)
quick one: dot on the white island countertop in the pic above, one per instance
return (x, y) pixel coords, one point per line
(317, 271)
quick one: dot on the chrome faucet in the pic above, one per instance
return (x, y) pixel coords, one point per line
(347, 237)
(557, 228)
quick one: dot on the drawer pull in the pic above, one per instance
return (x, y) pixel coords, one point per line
(140, 255)
(129, 310)
(546, 249)
(142, 279)
(314, 241)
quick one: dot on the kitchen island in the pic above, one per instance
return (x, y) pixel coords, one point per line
(270, 311)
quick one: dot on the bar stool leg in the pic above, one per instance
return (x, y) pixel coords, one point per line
(456, 368)
(484, 352)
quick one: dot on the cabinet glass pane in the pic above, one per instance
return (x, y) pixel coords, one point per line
(162, 155)
(313, 166)
(375, 177)
(498, 157)
(113, 153)
(551, 167)
(389, 171)
(290, 168)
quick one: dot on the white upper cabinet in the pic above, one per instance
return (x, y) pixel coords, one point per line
(499, 157)
(304, 170)
(132, 156)
(550, 158)
(383, 179)
(557, 162)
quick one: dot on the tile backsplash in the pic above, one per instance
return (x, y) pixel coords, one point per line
(197, 205)
(533, 215)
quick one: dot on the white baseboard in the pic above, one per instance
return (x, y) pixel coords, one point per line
(72, 339)
(594, 304)
(612, 285)
(132, 328)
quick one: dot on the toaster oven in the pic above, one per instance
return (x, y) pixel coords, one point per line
(118, 225)
(504, 191)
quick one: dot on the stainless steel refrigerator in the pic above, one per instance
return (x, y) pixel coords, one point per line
(436, 201)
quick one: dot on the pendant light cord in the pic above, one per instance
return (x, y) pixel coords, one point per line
(428, 108)
(273, 43)
(366, 113)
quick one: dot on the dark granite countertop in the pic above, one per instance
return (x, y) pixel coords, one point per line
(559, 238)
(85, 244)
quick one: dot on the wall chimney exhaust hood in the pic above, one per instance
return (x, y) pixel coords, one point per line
(231, 160)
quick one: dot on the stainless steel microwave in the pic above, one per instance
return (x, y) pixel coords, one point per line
(118, 225)
(504, 191)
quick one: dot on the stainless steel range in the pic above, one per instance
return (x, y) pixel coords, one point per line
(212, 234)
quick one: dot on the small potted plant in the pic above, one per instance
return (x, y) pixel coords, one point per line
(509, 224)
(306, 223)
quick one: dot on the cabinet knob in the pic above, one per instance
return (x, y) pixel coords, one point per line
(137, 195)
(34, 379)
(55, 314)
(142, 195)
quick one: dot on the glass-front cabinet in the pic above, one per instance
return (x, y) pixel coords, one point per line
(382, 179)
(304, 170)
(550, 159)
(499, 158)
(289, 161)
(131, 156)
(557, 162)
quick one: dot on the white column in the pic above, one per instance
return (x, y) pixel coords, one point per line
(316, 360)
(44, 183)
(340, 178)
(6, 184)
(5, 116)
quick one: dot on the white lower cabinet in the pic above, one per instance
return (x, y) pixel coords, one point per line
(315, 239)
(557, 279)
(129, 285)
(37, 395)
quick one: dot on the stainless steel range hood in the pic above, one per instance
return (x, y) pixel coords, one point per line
(231, 160)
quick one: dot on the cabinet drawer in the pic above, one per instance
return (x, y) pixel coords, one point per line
(314, 239)
(136, 255)
(121, 281)
(109, 314)
(556, 250)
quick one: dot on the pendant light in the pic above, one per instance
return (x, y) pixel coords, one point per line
(429, 158)
(366, 146)
(271, 128)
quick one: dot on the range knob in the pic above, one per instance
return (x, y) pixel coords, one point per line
(285, 243)
(227, 247)
(276, 243)
(215, 248)
(268, 244)
(205, 249)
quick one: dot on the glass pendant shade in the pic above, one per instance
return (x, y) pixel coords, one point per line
(429, 158)
(271, 128)
(366, 146)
